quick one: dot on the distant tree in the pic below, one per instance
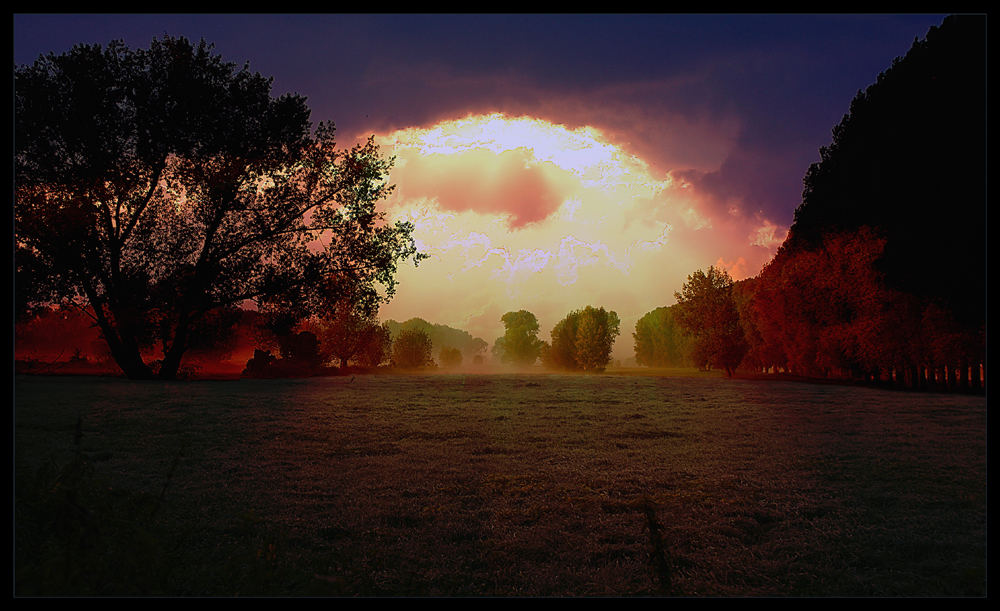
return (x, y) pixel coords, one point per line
(499, 350)
(660, 341)
(707, 310)
(562, 351)
(443, 336)
(347, 326)
(595, 336)
(158, 185)
(412, 350)
(450, 357)
(583, 340)
(377, 348)
(520, 344)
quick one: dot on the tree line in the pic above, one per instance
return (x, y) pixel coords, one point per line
(582, 341)
(882, 276)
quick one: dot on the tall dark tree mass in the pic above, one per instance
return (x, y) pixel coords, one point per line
(154, 186)
(883, 275)
(909, 161)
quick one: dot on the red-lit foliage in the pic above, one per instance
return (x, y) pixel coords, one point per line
(829, 312)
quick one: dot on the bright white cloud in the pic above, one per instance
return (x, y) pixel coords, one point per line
(518, 213)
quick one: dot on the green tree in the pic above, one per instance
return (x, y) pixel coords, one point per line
(377, 349)
(443, 336)
(707, 310)
(660, 341)
(157, 185)
(412, 350)
(520, 344)
(583, 340)
(450, 357)
(595, 337)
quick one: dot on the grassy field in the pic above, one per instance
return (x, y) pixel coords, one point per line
(496, 485)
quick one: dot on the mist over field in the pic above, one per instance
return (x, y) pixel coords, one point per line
(499, 485)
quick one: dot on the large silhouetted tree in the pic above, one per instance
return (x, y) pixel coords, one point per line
(160, 184)
(883, 275)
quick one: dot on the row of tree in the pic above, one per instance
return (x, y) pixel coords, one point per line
(883, 274)
(582, 341)
(826, 312)
(444, 339)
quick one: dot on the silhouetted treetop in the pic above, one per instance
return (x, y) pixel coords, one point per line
(909, 161)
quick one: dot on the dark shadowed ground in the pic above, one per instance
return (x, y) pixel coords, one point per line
(510, 485)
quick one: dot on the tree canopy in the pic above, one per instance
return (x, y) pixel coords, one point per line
(154, 186)
(908, 161)
(442, 336)
(583, 340)
(707, 310)
(660, 341)
(412, 350)
(520, 344)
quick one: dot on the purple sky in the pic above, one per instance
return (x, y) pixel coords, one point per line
(779, 83)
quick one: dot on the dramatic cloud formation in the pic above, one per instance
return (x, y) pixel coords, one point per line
(519, 213)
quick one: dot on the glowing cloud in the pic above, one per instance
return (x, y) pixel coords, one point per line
(520, 213)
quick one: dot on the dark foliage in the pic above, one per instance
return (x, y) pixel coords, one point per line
(412, 350)
(158, 185)
(909, 161)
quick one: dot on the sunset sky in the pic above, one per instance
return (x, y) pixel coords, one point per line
(551, 162)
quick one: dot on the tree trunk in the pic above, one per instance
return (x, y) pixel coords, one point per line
(125, 351)
(172, 358)
(131, 363)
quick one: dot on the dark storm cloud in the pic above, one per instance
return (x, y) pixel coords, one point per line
(659, 83)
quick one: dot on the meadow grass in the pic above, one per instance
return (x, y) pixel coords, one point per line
(496, 485)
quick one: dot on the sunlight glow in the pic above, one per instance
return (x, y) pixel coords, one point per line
(521, 213)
